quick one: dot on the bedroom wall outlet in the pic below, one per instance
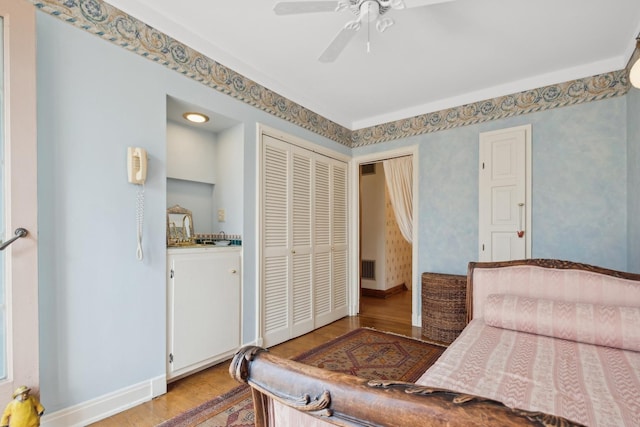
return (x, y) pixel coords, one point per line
(221, 215)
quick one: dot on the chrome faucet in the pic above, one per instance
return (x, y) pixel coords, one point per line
(224, 236)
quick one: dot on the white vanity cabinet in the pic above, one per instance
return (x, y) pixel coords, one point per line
(203, 300)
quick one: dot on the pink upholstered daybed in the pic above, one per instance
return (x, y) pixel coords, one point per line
(548, 342)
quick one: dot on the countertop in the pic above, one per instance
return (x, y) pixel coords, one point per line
(202, 248)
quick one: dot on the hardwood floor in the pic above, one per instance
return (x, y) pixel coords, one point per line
(392, 314)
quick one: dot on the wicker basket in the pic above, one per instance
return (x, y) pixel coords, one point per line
(443, 306)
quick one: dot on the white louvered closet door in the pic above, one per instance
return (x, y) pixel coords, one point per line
(276, 257)
(301, 243)
(304, 263)
(339, 244)
(330, 232)
(322, 246)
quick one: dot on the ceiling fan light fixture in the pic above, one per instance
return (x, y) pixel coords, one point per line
(353, 25)
(383, 23)
(397, 4)
(366, 12)
(342, 5)
(369, 10)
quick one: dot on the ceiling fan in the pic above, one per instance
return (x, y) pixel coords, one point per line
(367, 11)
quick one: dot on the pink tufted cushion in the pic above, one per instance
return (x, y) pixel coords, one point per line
(607, 325)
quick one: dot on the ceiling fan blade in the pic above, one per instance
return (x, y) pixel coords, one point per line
(419, 3)
(340, 42)
(294, 7)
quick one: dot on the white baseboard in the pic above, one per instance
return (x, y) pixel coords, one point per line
(105, 406)
(158, 386)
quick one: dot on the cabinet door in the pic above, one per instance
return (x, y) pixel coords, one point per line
(204, 314)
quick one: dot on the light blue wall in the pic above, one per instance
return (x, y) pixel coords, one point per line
(102, 312)
(230, 170)
(633, 135)
(579, 187)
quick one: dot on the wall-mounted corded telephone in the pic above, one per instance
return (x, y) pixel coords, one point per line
(137, 174)
(136, 165)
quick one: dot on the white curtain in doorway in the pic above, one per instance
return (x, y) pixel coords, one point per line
(398, 174)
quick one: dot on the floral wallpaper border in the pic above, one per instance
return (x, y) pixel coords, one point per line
(110, 23)
(594, 88)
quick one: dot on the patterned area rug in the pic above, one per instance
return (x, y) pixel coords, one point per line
(365, 353)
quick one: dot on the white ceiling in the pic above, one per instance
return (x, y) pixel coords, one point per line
(434, 57)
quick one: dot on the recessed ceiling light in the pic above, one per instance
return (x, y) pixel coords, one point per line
(196, 117)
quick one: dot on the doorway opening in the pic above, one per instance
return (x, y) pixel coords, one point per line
(387, 260)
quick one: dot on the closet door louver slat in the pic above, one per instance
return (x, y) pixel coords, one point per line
(275, 197)
(322, 208)
(322, 285)
(276, 295)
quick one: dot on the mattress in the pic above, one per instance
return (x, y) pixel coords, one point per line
(590, 384)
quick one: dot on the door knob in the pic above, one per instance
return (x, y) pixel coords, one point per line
(520, 220)
(20, 232)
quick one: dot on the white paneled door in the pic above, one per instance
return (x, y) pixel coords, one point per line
(18, 192)
(505, 194)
